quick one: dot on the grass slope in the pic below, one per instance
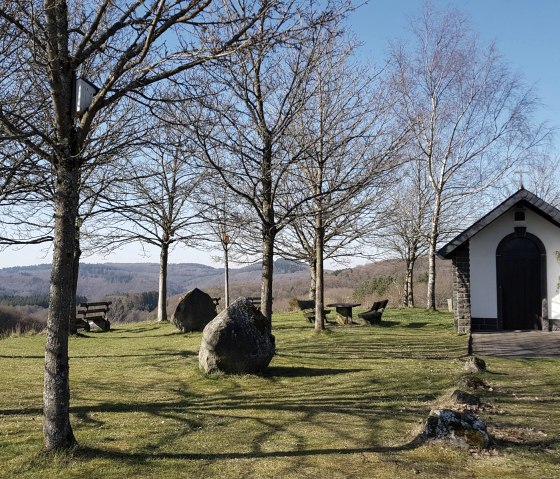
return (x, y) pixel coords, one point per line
(342, 404)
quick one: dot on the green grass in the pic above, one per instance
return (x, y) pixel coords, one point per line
(344, 403)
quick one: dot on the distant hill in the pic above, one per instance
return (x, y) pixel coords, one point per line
(291, 280)
(98, 280)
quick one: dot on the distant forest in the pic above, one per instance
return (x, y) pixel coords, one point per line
(41, 300)
(132, 288)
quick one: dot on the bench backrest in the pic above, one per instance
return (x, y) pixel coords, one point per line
(88, 310)
(304, 304)
(375, 306)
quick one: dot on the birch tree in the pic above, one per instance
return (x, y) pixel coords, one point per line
(125, 48)
(469, 114)
(539, 173)
(406, 222)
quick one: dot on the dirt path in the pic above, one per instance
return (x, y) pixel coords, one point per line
(518, 344)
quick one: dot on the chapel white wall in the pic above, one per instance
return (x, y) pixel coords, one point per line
(483, 261)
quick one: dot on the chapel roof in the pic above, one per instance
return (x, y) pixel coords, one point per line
(522, 197)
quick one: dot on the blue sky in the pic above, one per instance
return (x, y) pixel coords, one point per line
(527, 33)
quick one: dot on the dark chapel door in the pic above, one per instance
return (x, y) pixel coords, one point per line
(521, 280)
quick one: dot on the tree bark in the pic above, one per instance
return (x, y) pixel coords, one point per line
(267, 275)
(162, 296)
(226, 275)
(409, 284)
(432, 244)
(57, 430)
(76, 267)
(268, 230)
(319, 288)
(313, 276)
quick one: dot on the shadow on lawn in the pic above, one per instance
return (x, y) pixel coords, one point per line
(416, 325)
(140, 457)
(388, 324)
(274, 415)
(280, 371)
(140, 329)
(9, 356)
(534, 445)
(161, 451)
(149, 353)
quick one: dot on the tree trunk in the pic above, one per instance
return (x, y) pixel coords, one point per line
(57, 430)
(226, 275)
(76, 267)
(267, 275)
(162, 297)
(319, 276)
(409, 284)
(432, 245)
(268, 231)
(313, 276)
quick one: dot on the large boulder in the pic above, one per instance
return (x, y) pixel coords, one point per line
(194, 311)
(237, 341)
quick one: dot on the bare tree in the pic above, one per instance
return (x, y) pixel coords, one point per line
(224, 221)
(156, 206)
(539, 173)
(244, 129)
(122, 48)
(29, 193)
(406, 222)
(470, 116)
(349, 146)
(24, 190)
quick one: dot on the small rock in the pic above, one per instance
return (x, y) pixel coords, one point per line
(462, 429)
(475, 365)
(462, 397)
(473, 382)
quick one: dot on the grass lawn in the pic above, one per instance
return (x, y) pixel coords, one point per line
(341, 404)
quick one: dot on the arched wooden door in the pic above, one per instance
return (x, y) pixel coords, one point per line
(521, 280)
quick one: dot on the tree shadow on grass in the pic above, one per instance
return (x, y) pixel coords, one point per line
(20, 356)
(416, 325)
(284, 371)
(136, 330)
(536, 445)
(149, 353)
(140, 457)
(388, 324)
(108, 335)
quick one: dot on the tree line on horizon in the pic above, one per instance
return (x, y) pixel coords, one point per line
(251, 125)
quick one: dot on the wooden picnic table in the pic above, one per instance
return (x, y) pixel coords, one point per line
(344, 310)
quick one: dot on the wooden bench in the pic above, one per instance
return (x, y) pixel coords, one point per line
(256, 300)
(307, 307)
(373, 316)
(93, 313)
